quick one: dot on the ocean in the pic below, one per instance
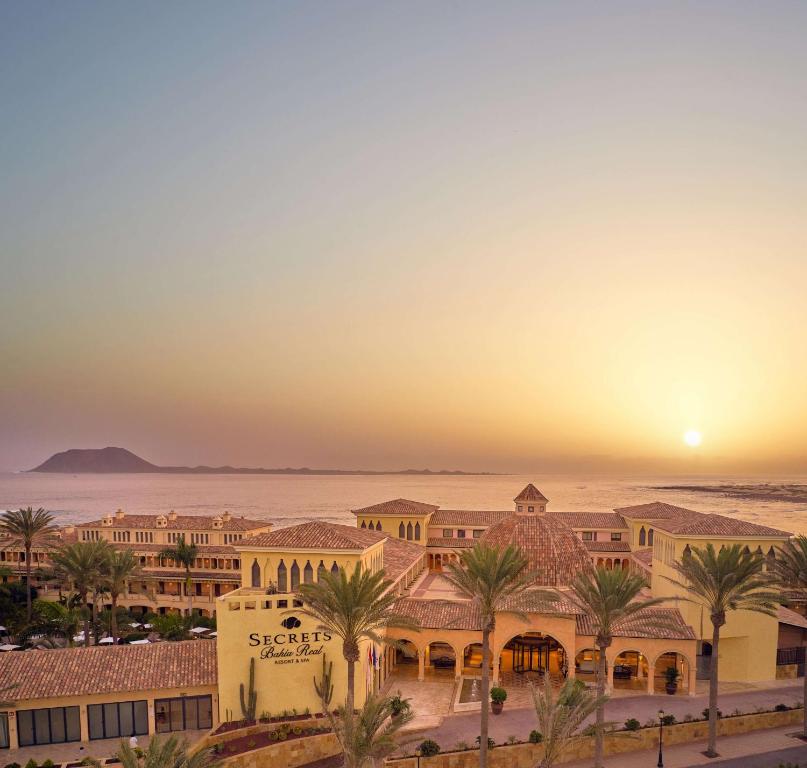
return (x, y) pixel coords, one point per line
(289, 499)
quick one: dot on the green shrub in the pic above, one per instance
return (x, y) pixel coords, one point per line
(31, 764)
(668, 720)
(498, 695)
(252, 743)
(461, 746)
(705, 714)
(632, 724)
(781, 708)
(491, 742)
(536, 737)
(47, 763)
(429, 748)
(13, 765)
(512, 739)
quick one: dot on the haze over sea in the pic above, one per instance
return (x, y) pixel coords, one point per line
(288, 499)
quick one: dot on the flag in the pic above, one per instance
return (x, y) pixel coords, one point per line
(375, 659)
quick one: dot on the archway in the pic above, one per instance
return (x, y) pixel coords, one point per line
(631, 669)
(530, 656)
(585, 664)
(406, 652)
(472, 656)
(440, 657)
(667, 661)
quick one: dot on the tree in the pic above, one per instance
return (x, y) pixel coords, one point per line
(561, 714)
(789, 570)
(172, 626)
(490, 577)
(354, 609)
(28, 527)
(121, 566)
(608, 598)
(183, 555)
(81, 565)
(55, 620)
(166, 753)
(368, 736)
(728, 580)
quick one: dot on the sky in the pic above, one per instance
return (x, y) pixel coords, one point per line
(511, 236)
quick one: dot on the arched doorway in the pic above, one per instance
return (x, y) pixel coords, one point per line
(530, 656)
(669, 661)
(440, 658)
(406, 652)
(585, 664)
(472, 657)
(631, 669)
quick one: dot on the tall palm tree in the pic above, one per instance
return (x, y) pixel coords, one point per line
(608, 598)
(490, 577)
(728, 580)
(789, 569)
(184, 555)
(81, 565)
(561, 715)
(368, 736)
(121, 566)
(166, 753)
(354, 609)
(56, 619)
(28, 527)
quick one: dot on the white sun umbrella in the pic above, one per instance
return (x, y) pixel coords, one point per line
(8, 647)
(148, 626)
(78, 638)
(213, 634)
(2, 629)
(139, 642)
(199, 630)
(106, 641)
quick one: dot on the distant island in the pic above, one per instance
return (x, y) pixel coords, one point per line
(120, 461)
(790, 492)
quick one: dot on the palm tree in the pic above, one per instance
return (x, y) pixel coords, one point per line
(121, 566)
(185, 555)
(81, 565)
(353, 609)
(28, 527)
(166, 753)
(728, 580)
(789, 569)
(561, 715)
(608, 598)
(56, 620)
(490, 577)
(368, 736)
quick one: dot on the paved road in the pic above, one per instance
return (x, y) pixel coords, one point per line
(796, 755)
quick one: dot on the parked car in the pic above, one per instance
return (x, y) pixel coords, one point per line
(623, 671)
(444, 662)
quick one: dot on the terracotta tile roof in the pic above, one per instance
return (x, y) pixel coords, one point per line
(643, 556)
(400, 556)
(591, 520)
(113, 669)
(787, 616)
(184, 522)
(530, 493)
(716, 525)
(655, 510)
(451, 543)
(397, 507)
(642, 625)
(179, 573)
(467, 517)
(315, 535)
(607, 546)
(440, 614)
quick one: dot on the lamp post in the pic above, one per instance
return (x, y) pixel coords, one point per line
(417, 754)
(660, 763)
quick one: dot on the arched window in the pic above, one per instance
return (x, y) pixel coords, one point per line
(295, 576)
(417, 531)
(363, 524)
(642, 537)
(321, 570)
(687, 551)
(378, 525)
(650, 538)
(409, 531)
(256, 574)
(401, 531)
(372, 525)
(308, 573)
(282, 585)
(334, 568)
(746, 550)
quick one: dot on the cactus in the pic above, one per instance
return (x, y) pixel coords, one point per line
(324, 688)
(248, 705)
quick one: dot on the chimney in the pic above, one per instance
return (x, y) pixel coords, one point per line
(226, 516)
(172, 516)
(120, 514)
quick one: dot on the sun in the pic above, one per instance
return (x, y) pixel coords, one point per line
(692, 438)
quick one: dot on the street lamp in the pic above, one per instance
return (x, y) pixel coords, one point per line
(660, 763)
(417, 754)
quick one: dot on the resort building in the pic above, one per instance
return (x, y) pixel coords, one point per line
(161, 586)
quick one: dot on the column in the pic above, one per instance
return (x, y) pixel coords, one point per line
(152, 717)
(651, 677)
(84, 722)
(693, 678)
(458, 662)
(421, 666)
(609, 675)
(13, 737)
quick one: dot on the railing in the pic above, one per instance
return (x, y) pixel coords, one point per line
(789, 656)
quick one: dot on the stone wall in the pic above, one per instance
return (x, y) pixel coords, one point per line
(289, 754)
(213, 738)
(529, 755)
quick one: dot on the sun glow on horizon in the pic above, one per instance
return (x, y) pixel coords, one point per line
(693, 438)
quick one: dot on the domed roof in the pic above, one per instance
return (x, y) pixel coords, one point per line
(553, 550)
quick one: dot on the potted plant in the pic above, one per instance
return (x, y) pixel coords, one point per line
(497, 698)
(671, 675)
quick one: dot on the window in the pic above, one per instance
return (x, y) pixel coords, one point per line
(125, 718)
(448, 533)
(363, 524)
(478, 533)
(616, 536)
(588, 536)
(48, 726)
(295, 576)
(186, 713)
(256, 574)
(520, 508)
(321, 570)
(417, 531)
(409, 531)
(308, 573)
(401, 531)
(4, 739)
(650, 538)
(530, 509)
(642, 537)
(460, 534)
(378, 525)
(334, 568)
(281, 577)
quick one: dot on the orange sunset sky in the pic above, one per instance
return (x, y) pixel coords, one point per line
(486, 236)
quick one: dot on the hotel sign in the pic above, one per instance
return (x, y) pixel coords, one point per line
(290, 646)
